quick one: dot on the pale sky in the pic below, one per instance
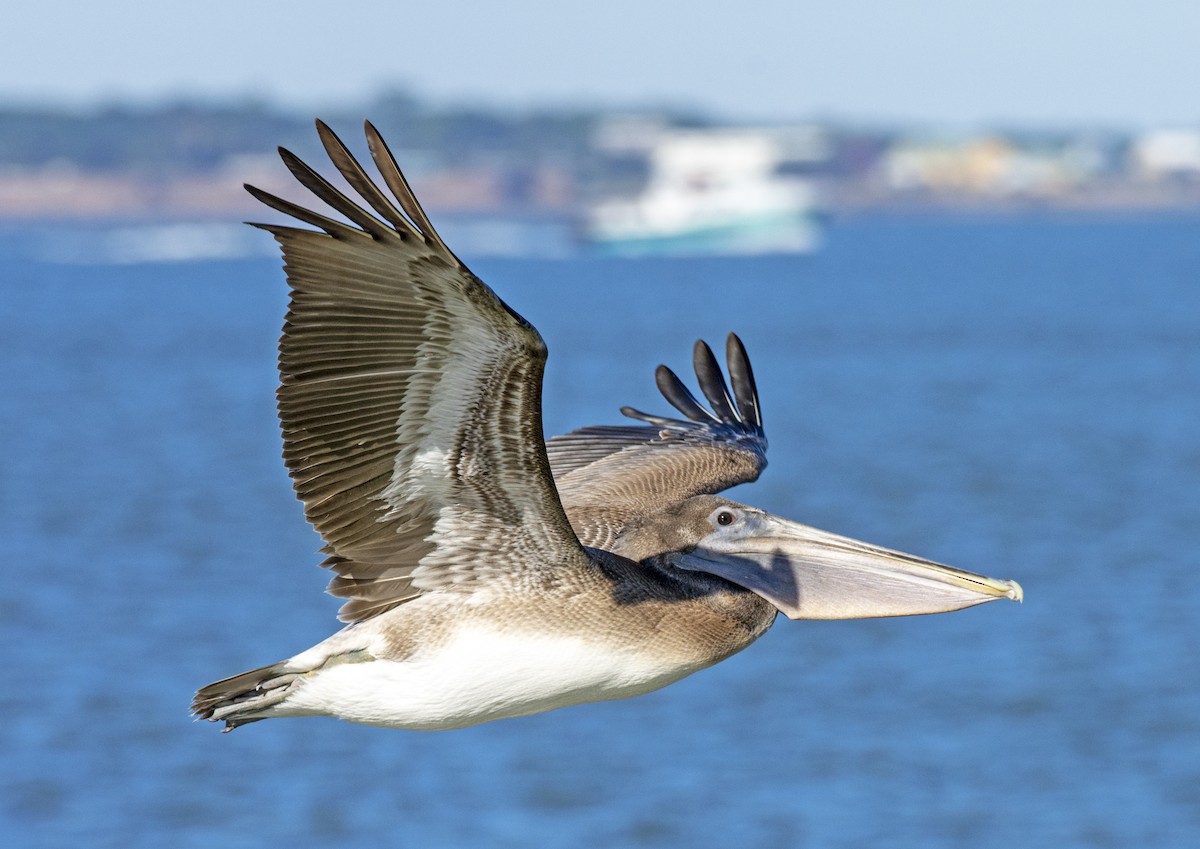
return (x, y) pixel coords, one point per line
(943, 62)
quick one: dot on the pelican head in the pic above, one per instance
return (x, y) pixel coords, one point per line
(804, 572)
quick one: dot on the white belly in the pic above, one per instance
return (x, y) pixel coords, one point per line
(478, 676)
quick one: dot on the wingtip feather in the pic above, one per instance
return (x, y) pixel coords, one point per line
(712, 383)
(741, 376)
(680, 397)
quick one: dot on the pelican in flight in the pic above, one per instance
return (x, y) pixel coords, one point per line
(490, 574)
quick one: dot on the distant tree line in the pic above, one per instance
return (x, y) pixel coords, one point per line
(168, 138)
(193, 137)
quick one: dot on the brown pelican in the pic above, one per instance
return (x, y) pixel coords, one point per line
(488, 574)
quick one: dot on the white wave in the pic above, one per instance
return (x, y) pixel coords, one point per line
(184, 241)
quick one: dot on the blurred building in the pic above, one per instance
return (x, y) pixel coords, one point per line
(988, 166)
(1167, 154)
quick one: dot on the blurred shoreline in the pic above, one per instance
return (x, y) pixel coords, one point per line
(188, 161)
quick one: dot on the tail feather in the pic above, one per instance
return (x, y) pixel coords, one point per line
(242, 699)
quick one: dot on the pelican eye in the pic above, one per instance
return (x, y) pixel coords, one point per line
(725, 518)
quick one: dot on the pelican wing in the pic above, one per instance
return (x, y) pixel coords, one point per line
(607, 475)
(410, 399)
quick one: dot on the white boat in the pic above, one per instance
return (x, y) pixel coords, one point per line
(710, 192)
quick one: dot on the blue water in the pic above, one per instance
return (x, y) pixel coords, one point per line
(1019, 397)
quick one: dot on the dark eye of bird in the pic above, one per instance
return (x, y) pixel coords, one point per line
(725, 518)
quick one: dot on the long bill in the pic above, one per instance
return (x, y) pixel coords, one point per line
(811, 574)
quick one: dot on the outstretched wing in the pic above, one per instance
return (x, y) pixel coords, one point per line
(608, 475)
(410, 399)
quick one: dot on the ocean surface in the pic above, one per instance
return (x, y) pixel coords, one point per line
(1016, 396)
